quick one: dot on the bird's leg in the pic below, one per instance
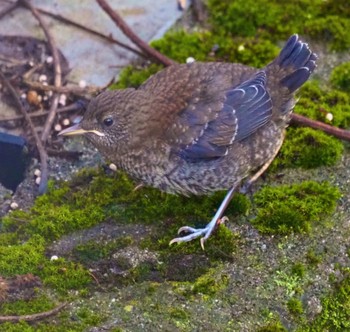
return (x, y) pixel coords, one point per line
(208, 230)
(197, 232)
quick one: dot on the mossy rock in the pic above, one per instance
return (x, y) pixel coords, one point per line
(340, 77)
(294, 208)
(308, 148)
(335, 312)
(276, 20)
(316, 102)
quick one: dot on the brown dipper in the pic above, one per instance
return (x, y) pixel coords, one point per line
(200, 127)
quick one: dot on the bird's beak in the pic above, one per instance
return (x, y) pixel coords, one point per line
(77, 130)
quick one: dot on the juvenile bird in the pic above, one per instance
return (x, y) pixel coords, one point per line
(200, 127)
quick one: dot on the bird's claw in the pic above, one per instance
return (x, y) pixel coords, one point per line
(195, 233)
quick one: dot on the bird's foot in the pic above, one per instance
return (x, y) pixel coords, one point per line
(195, 233)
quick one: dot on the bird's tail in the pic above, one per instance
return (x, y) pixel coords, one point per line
(295, 63)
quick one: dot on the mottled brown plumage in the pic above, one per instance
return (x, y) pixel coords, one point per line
(200, 127)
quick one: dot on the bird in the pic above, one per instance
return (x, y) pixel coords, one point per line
(200, 127)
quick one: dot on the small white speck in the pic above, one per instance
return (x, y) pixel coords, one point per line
(241, 48)
(23, 95)
(62, 100)
(82, 84)
(14, 206)
(329, 116)
(113, 167)
(66, 122)
(42, 78)
(38, 180)
(31, 63)
(190, 59)
(49, 59)
(54, 258)
(37, 172)
(58, 127)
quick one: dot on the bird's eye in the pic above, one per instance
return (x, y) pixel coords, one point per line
(108, 122)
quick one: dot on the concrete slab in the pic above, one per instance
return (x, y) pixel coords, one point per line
(92, 59)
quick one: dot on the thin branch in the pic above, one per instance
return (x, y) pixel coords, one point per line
(63, 89)
(8, 9)
(118, 20)
(33, 317)
(38, 114)
(57, 68)
(39, 144)
(94, 32)
(331, 130)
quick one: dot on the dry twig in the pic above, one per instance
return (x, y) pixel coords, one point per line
(8, 9)
(94, 32)
(41, 113)
(118, 20)
(331, 130)
(63, 89)
(57, 69)
(34, 317)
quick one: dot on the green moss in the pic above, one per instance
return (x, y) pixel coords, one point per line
(179, 314)
(289, 282)
(133, 77)
(277, 20)
(298, 269)
(273, 327)
(179, 45)
(308, 148)
(207, 46)
(294, 208)
(340, 77)
(89, 317)
(295, 306)
(63, 276)
(313, 258)
(331, 29)
(22, 258)
(335, 314)
(316, 102)
(27, 307)
(210, 283)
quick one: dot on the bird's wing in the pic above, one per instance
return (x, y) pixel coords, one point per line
(206, 128)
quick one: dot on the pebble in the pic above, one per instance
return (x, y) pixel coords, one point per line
(54, 258)
(329, 116)
(37, 172)
(14, 206)
(190, 60)
(82, 84)
(32, 97)
(113, 167)
(58, 127)
(49, 59)
(66, 122)
(42, 78)
(38, 180)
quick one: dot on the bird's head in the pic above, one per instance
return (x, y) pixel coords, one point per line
(107, 120)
